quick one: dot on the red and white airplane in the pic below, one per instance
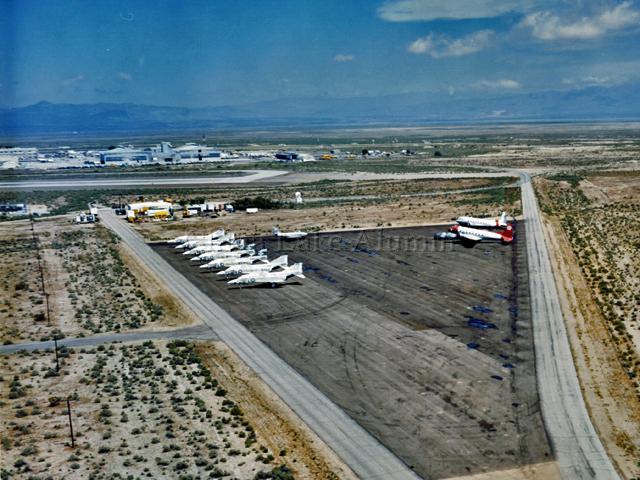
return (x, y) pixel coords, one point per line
(476, 235)
(500, 222)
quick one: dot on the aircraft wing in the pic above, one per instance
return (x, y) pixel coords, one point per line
(473, 238)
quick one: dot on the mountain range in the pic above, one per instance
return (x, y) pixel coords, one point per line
(587, 104)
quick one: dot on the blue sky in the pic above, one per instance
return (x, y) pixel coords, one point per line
(205, 53)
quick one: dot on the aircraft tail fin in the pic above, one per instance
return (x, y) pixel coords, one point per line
(507, 234)
(503, 218)
(281, 261)
(275, 231)
(296, 269)
(262, 252)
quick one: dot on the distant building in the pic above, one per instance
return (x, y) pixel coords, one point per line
(10, 209)
(200, 152)
(26, 154)
(125, 155)
(294, 157)
(164, 153)
(161, 153)
(287, 156)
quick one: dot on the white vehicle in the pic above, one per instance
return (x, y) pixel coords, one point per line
(273, 278)
(288, 235)
(188, 238)
(500, 222)
(228, 261)
(230, 238)
(475, 235)
(208, 256)
(237, 270)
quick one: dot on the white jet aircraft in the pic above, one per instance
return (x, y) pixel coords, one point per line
(475, 235)
(228, 261)
(500, 222)
(230, 238)
(239, 244)
(208, 256)
(288, 235)
(188, 238)
(237, 270)
(273, 278)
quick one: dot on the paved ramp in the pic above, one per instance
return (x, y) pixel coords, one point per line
(368, 458)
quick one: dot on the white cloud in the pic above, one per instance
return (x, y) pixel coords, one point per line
(547, 26)
(341, 57)
(125, 76)
(501, 84)
(71, 81)
(606, 74)
(589, 81)
(440, 46)
(425, 10)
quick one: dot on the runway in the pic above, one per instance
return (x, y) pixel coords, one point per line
(146, 181)
(576, 445)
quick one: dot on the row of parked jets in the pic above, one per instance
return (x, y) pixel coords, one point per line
(233, 258)
(471, 230)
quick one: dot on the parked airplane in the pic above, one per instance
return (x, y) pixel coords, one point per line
(273, 278)
(217, 248)
(288, 235)
(208, 256)
(500, 222)
(237, 270)
(188, 238)
(228, 261)
(230, 238)
(474, 235)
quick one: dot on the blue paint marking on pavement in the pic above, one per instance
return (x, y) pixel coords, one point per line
(473, 346)
(496, 377)
(479, 323)
(508, 365)
(481, 309)
(328, 278)
(368, 251)
(499, 296)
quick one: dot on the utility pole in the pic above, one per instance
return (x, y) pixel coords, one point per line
(55, 342)
(73, 442)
